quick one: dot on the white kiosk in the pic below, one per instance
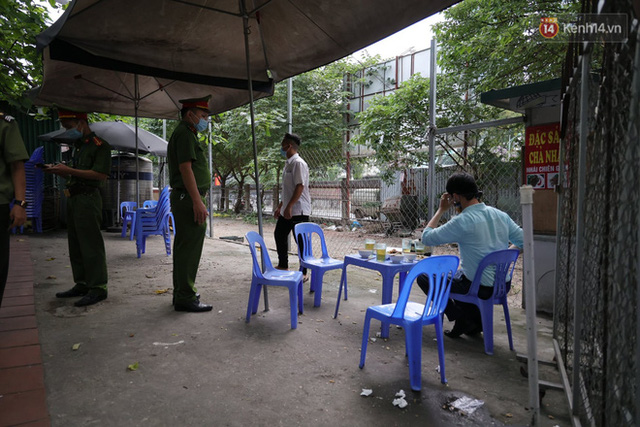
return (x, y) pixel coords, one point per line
(540, 103)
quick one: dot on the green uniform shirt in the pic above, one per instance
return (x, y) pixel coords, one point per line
(184, 146)
(90, 153)
(12, 149)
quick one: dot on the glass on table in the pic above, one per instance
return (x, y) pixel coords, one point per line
(381, 251)
(420, 248)
(368, 244)
(406, 246)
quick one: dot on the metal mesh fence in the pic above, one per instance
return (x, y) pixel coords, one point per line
(601, 308)
(365, 206)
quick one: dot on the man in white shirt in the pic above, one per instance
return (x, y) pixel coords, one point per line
(295, 206)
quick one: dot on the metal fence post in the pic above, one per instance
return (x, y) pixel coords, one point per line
(529, 279)
(582, 166)
(632, 134)
(432, 126)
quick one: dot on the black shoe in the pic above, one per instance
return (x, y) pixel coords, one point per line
(473, 330)
(90, 299)
(71, 293)
(192, 306)
(173, 299)
(459, 328)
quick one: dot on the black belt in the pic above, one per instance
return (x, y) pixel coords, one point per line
(202, 192)
(75, 190)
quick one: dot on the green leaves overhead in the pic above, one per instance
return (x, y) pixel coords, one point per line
(482, 45)
(21, 64)
(489, 44)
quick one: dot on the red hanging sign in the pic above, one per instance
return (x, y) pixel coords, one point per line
(541, 156)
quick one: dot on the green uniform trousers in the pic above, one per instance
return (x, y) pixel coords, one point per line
(86, 246)
(187, 247)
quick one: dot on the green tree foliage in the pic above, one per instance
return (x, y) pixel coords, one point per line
(20, 22)
(491, 44)
(319, 107)
(482, 45)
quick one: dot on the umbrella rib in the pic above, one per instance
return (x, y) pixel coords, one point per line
(264, 46)
(257, 9)
(213, 9)
(319, 27)
(160, 87)
(79, 76)
(122, 82)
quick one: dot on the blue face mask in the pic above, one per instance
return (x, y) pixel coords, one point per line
(72, 134)
(202, 125)
(283, 152)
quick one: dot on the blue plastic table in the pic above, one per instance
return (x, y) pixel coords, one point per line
(387, 269)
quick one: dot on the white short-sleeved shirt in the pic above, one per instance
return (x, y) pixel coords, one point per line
(296, 171)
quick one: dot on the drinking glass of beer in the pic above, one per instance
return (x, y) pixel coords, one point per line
(368, 244)
(381, 251)
(420, 248)
(406, 246)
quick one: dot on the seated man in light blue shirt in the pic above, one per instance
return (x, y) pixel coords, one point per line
(478, 230)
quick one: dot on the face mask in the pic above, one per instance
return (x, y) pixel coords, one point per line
(72, 134)
(283, 152)
(202, 125)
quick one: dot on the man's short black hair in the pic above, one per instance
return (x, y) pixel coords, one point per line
(463, 184)
(292, 137)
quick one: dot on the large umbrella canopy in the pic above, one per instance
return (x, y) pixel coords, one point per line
(121, 136)
(85, 88)
(202, 42)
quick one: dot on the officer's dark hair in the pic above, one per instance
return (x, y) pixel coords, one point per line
(184, 111)
(293, 138)
(463, 184)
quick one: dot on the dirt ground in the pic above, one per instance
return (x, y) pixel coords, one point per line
(213, 369)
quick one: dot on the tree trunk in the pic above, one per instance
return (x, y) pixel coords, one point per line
(223, 204)
(239, 202)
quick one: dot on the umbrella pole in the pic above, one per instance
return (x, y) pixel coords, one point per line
(245, 21)
(210, 185)
(136, 103)
(118, 189)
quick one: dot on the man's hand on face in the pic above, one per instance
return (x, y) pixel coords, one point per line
(446, 201)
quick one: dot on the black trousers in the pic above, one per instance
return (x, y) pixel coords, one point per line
(4, 247)
(469, 313)
(283, 228)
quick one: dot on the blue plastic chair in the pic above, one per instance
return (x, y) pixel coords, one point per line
(34, 194)
(504, 262)
(153, 221)
(413, 316)
(127, 214)
(318, 266)
(272, 277)
(149, 204)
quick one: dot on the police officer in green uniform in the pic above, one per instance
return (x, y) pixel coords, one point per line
(91, 166)
(12, 182)
(189, 177)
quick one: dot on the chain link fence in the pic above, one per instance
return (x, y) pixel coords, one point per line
(595, 321)
(357, 204)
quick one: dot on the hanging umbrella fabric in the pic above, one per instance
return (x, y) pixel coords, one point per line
(86, 88)
(202, 42)
(121, 136)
